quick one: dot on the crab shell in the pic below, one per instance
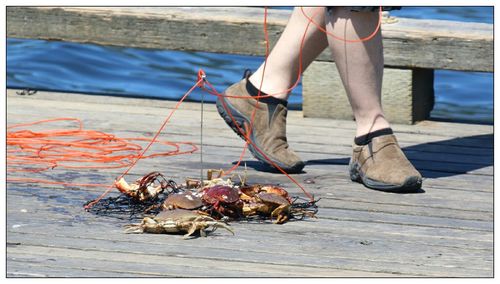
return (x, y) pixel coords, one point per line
(276, 190)
(253, 190)
(183, 200)
(220, 193)
(250, 190)
(264, 204)
(177, 214)
(225, 200)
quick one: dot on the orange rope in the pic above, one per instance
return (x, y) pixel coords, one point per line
(77, 148)
(369, 37)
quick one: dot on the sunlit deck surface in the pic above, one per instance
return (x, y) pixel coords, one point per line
(445, 230)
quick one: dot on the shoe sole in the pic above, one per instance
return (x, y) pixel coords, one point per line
(241, 120)
(411, 184)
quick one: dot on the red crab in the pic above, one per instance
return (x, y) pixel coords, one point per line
(224, 200)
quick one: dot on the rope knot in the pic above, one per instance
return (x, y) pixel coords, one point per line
(202, 78)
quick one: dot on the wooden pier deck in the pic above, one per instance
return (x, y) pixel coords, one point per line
(444, 231)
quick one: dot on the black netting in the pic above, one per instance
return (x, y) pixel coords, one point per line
(125, 207)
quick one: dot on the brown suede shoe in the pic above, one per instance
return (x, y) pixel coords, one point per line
(268, 132)
(382, 165)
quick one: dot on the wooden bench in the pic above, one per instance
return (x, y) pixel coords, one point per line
(413, 48)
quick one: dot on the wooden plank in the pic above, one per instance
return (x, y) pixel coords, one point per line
(263, 234)
(323, 228)
(27, 265)
(182, 254)
(342, 195)
(228, 240)
(448, 163)
(318, 231)
(412, 43)
(58, 200)
(158, 108)
(215, 266)
(326, 213)
(181, 126)
(339, 209)
(438, 202)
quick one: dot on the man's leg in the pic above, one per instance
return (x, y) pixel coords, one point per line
(361, 65)
(377, 161)
(282, 68)
(268, 131)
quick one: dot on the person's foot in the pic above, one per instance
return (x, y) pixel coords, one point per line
(268, 132)
(382, 165)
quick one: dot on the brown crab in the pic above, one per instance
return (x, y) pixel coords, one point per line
(251, 191)
(177, 221)
(179, 200)
(268, 204)
(145, 188)
(183, 200)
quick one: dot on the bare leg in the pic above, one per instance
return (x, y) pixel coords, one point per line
(283, 62)
(360, 65)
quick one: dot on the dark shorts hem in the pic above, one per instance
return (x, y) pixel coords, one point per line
(367, 8)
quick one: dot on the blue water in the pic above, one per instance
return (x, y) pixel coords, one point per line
(88, 68)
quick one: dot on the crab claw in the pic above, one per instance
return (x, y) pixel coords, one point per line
(202, 225)
(281, 214)
(223, 225)
(134, 229)
(125, 187)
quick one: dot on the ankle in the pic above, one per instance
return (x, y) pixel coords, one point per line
(371, 124)
(274, 87)
(265, 98)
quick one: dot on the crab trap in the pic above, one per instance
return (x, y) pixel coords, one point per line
(163, 206)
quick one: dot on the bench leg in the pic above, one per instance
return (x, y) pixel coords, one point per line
(407, 94)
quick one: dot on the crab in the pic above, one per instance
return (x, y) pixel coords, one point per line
(183, 200)
(268, 204)
(224, 200)
(177, 221)
(145, 188)
(276, 190)
(250, 191)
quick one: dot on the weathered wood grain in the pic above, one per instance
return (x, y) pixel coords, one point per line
(151, 108)
(321, 229)
(322, 233)
(445, 231)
